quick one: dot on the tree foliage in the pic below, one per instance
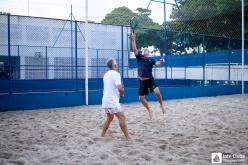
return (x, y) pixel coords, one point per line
(149, 32)
(209, 17)
(213, 17)
(119, 16)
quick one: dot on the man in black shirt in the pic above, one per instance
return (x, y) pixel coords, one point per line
(145, 65)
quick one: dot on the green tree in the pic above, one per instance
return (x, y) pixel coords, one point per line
(148, 33)
(123, 15)
(119, 16)
(213, 17)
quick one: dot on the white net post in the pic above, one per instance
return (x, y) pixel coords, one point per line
(243, 46)
(86, 53)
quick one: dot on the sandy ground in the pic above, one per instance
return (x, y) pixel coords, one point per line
(191, 130)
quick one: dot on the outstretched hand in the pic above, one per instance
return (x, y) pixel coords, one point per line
(162, 60)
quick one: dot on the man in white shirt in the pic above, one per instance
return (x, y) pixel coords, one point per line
(112, 91)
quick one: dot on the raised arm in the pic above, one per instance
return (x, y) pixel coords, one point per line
(135, 50)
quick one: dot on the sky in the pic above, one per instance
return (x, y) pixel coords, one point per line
(97, 9)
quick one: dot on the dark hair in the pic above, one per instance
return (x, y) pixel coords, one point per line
(110, 63)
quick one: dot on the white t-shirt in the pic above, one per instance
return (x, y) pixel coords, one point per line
(111, 94)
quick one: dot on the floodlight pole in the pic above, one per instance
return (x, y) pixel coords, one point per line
(165, 41)
(28, 7)
(86, 53)
(165, 45)
(164, 2)
(71, 45)
(243, 47)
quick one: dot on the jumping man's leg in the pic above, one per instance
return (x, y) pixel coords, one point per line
(122, 123)
(145, 103)
(159, 97)
(109, 119)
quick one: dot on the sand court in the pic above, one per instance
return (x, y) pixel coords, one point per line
(191, 130)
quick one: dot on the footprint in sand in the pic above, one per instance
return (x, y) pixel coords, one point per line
(201, 149)
(97, 163)
(192, 137)
(217, 145)
(5, 155)
(183, 160)
(156, 132)
(112, 131)
(161, 156)
(146, 157)
(139, 140)
(134, 152)
(83, 134)
(16, 162)
(80, 157)
(228, 132)
(90, 142)
(116, 151)
(112, 163)
(213, 132)
(162, 142)
(104, 156)
(177, 134)
(97, 139)
(163, 147)
(169, 159)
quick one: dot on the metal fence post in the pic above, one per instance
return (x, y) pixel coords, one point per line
(185, 75)
(165, 67)
(118, 61)
(9, 58)
(122, 53)
(184, 39)
(118, 57)
(97, 66)
(46, 64)
(171, 71)
(229, 60)
(165, 30)
(165, 41)
(71, 22)
(19, 63)
(204, 58)
(76, 57)
(243, 46)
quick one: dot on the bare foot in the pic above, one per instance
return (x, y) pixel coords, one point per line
(163, 109)
(151, 114)
(128, 138)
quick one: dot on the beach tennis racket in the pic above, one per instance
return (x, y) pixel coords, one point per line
(138, 17)
(134, 23)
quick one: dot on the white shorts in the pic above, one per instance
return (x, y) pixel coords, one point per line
(112, 110)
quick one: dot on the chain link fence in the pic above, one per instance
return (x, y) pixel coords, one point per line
(218, 21)
(204, 34)
(40, 49)
(201, 44)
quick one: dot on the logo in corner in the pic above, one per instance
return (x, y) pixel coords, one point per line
(216, 158)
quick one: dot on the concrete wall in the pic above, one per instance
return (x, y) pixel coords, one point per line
(55, 99)
(51, 38)
(196, 73)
